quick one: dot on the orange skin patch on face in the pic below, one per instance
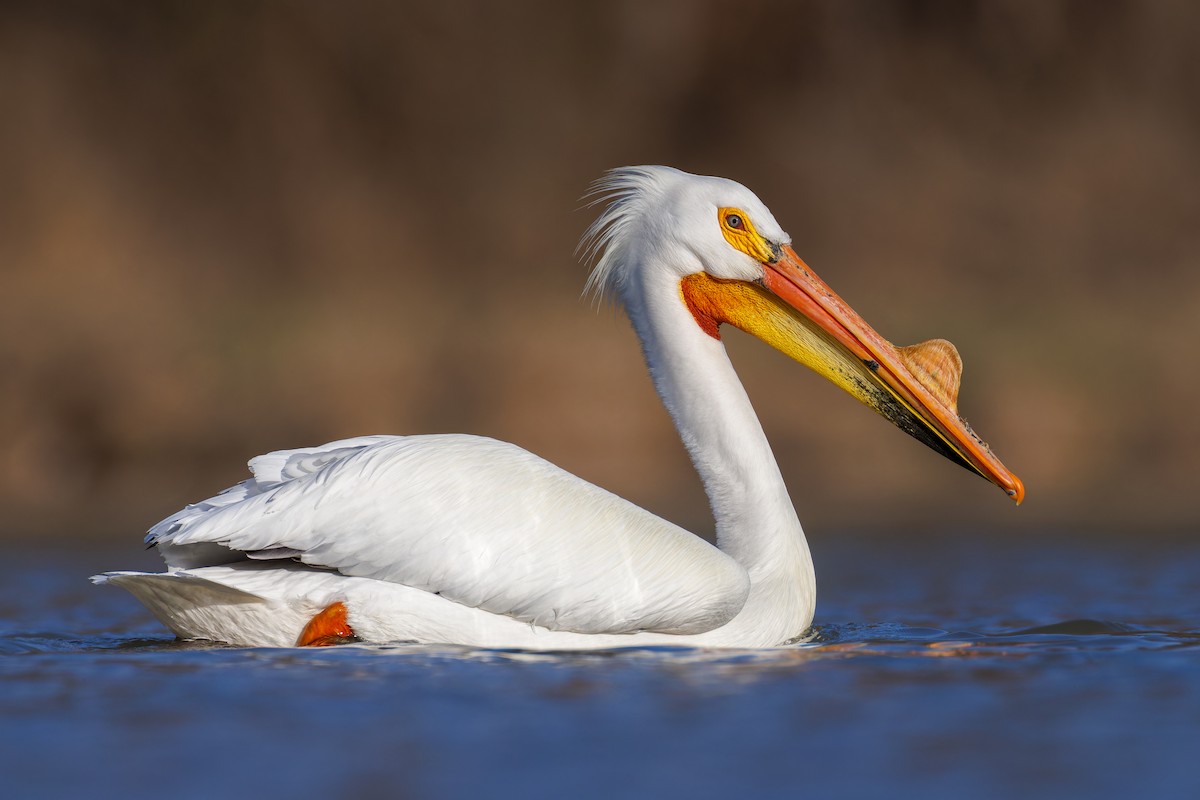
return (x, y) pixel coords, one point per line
(327, 628)
(701, 305)
(714, 302)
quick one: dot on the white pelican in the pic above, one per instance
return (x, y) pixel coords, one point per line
(467, 540)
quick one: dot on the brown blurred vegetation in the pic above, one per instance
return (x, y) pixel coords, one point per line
(230, 227)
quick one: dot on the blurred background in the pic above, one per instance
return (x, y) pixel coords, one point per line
(232, 227)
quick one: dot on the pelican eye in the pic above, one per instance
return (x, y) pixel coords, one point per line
(738, 230)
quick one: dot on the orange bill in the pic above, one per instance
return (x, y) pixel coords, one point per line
(916, 387)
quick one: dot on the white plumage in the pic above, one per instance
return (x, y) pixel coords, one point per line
(463, 539)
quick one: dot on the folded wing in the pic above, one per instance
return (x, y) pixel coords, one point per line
(480, 522)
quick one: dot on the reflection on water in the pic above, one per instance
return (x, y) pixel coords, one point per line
(960, 669)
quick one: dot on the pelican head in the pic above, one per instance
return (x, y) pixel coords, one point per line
(730, 262)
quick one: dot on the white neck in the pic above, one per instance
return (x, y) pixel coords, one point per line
(756, 522)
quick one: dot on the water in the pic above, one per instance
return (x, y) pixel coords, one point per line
(963, 667)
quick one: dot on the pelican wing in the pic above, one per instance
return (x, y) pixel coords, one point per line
(480, 522)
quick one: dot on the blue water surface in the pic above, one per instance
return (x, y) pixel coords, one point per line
(956, 667)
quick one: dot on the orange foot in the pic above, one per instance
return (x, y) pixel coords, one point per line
(327, 628)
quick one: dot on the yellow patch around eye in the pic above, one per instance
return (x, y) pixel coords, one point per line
(739, 231)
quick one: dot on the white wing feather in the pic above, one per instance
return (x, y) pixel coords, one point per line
(478, 521)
